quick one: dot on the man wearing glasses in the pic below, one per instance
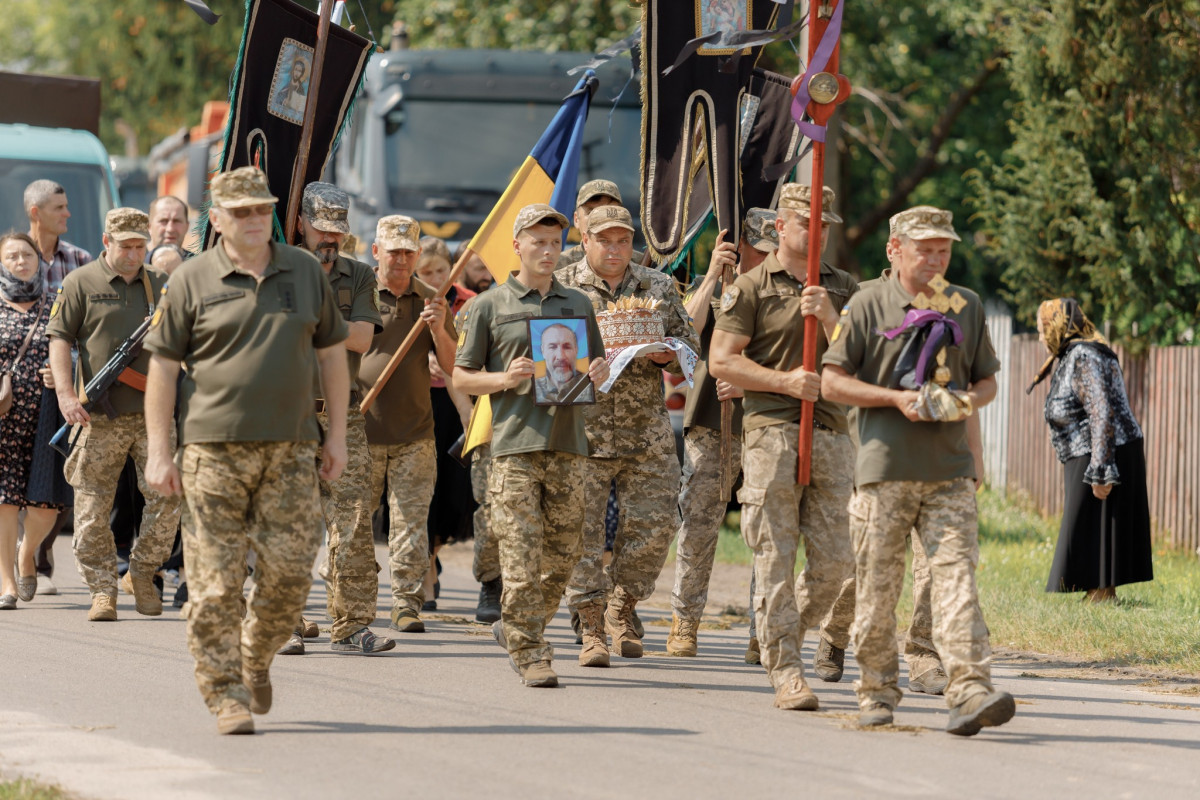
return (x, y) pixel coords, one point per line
(250, 320)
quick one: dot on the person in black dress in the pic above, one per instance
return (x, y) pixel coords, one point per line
(1104, 540)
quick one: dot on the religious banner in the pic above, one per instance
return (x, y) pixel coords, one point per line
(270, 86)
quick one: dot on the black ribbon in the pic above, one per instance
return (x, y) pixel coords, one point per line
(612, 51)
(203, 11)
(736, 40)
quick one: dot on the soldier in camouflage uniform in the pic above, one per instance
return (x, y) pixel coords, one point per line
(351, 579)
(759, 345)
(400, 423)
(592, 195)
(535, 484)
(98, 307)
(252, 321)
(904, 411)
(629, 433)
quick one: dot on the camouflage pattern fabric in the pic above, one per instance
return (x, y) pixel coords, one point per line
(353, 585)
(702, 510)
(241, 496)
(649, 514)
(944, 516)
(93, 468)
(411, 471)
(537, 504)
(486, 565)
(919, 652)
(775, 513)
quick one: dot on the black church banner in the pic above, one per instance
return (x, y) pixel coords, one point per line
(704, 87)
(270, 85)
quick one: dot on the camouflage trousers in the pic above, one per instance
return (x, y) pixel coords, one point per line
(486, 565)
(944, 517)
(411, 472)
(93, 468)
(919, 652)
(776, 512)
(353, 583)
(702, 511)
(537, 502)
(647, 496)
(240, 496)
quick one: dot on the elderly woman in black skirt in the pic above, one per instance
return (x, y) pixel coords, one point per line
(1104, 541)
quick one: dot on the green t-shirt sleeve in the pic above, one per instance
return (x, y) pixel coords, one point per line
(739, 308)
(365, 305)
(475, 340)
(984, 364)
(66, 315)
(848, 343)
(171, 327)
(331, 328)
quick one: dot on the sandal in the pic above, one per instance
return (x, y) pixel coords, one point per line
(27, 588)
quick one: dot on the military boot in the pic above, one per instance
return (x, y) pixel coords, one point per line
(104, 608)
(488, 609)
(618, 621)
(830, 663)
(794, 695)
(234, 718)
(681, 641)
(146, 599)
(258, 683)
(595, 640)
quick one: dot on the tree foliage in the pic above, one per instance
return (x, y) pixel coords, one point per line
(1097, 197)
(548, 25)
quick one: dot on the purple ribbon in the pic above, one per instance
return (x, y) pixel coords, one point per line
(919, 318)
(818, 63)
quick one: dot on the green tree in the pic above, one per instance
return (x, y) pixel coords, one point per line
(548, 25)
(1097, 197)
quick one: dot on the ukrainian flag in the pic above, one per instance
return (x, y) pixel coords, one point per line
(549, 174)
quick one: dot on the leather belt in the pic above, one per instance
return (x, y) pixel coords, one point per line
(820, 426)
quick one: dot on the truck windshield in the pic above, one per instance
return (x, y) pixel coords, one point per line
(87, 197)
(466, 148)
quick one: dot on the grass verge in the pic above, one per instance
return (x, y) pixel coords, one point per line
(26, 789)
(1154, 626)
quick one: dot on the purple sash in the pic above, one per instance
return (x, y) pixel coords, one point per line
(919, 318)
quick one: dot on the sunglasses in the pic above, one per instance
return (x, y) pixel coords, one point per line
(266, 209)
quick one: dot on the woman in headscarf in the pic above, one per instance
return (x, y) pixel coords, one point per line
(1104, 541)
(24, 312)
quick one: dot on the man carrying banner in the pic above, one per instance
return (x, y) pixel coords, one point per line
(538, 452)
(98, 307)
(631, 441)
(347, 503)
(913, 354)
(400, 423)
(252, 320)
(759, 345)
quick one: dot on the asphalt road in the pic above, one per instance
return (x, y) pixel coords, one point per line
(111, 711)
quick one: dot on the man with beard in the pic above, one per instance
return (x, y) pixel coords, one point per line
(475, 275)
(350, 578)
(560, 349)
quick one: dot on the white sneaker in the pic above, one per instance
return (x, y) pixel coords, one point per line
(45, 585)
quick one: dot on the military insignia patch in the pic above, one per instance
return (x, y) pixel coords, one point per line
(837, 331)
(730, 298)
(375, 298)
(54, 309)
(157, 318)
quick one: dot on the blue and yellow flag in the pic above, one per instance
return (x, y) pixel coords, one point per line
(549, 174)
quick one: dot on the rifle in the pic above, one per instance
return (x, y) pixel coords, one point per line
(96, 392)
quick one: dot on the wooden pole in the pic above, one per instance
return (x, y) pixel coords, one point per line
(291, 222)
(411, 338)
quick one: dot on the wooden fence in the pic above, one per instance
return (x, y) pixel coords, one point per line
(1164, 392)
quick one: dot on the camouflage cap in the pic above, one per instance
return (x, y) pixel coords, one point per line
(531, 215)
(605, 217)
(126, 223)
(397, 232)
(597, 188)
(758, 229)
(924, 222)
(325, 206)
(798, 197)
(244, 186)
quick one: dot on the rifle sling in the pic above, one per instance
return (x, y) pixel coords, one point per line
(127, 376)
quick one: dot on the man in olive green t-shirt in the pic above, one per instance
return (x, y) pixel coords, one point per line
(351, 578)
(535, 481)
(250, 321)
(913, 354)
(400, 423)
(758, 345)
(98, 307)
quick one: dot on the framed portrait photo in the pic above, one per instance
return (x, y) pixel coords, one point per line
(560, 361)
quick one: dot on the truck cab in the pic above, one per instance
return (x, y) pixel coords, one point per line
(437, 134)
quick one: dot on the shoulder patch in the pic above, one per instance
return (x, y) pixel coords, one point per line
(837, 331)
(730, 298)
(157, 318)
(375, 297)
